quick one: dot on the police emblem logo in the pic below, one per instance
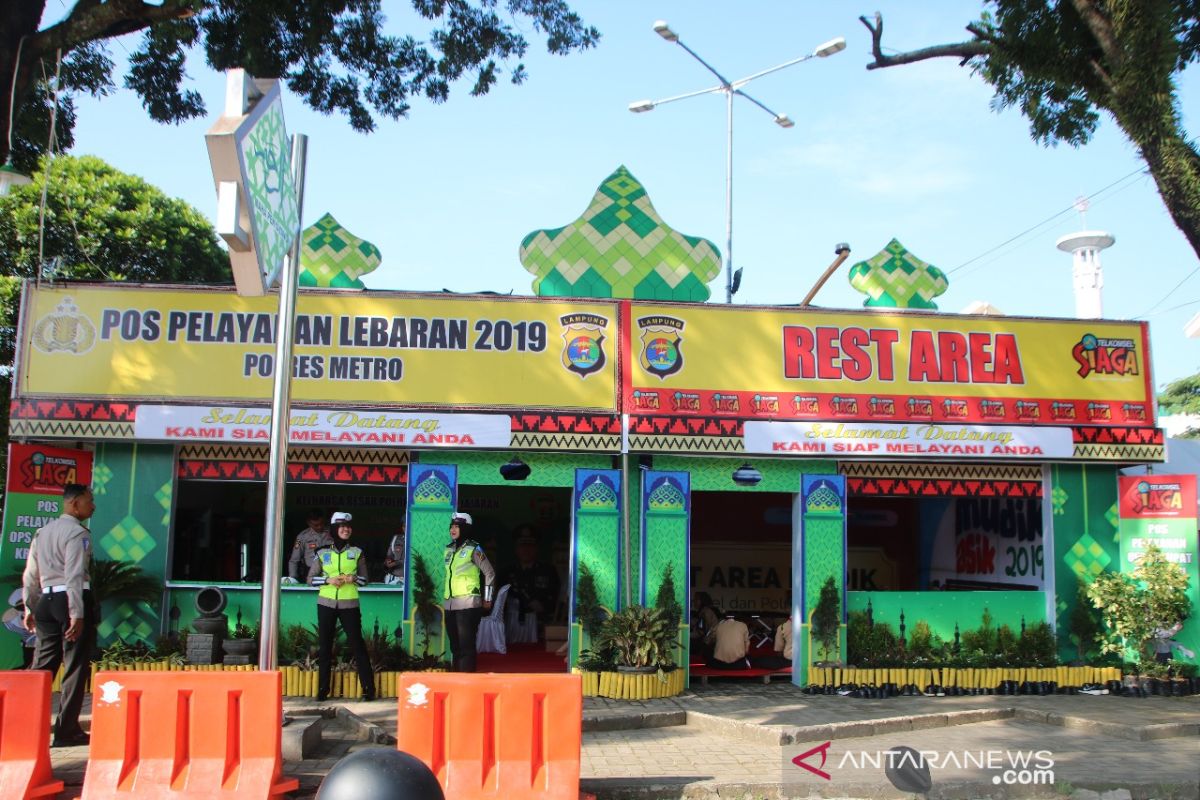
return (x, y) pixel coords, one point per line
(662, 351)
(66, 330)
(583, 343)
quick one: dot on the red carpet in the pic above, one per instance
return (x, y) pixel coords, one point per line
(521, 658)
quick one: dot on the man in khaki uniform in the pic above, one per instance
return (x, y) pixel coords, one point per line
(56, 586)
(733, 643)
(308, 542)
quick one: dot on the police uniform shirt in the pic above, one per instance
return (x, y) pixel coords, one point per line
(308, 542)
(783, 640)
(59, 556)
(733, 641)
(486, 583)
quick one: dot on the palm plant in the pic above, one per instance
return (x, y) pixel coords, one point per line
(425, 604)
(121, 580)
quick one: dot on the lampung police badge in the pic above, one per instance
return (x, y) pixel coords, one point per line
(583, 343)
(662, 352)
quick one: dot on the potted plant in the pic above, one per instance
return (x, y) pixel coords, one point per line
(241, 641)
(633, 656)
(641, 639)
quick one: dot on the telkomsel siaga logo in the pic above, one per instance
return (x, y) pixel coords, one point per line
(911, 770)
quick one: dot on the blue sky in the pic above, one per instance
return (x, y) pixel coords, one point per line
(911, 152)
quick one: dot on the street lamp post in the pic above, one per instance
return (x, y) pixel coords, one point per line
(729, 89)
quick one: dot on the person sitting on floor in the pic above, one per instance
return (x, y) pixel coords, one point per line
(732, 644)
(705, 618)
(783, 649)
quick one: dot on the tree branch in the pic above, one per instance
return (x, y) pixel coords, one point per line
(1101, 28)
(89, 21)
(961, 50)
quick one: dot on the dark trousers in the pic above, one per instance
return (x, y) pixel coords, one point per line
(53, 617)
(462, 627)
(351, 620)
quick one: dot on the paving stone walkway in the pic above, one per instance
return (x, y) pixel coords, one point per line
(739, 741)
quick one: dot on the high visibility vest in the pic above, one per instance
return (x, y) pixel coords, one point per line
(462, 576)
(343, 563)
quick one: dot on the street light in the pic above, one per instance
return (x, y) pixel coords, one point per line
(729, 89)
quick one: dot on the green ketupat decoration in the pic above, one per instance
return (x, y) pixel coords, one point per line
(895, 278)
(620, 247)
(334, 258)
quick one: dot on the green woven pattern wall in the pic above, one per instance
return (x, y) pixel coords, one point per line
(134, 486)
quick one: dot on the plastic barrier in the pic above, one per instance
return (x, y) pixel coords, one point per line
(186, 735)
(25, 735)
(485, 736)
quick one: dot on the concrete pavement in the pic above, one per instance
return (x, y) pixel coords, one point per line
(734, 740)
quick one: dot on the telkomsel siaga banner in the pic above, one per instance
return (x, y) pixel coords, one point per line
(36, 477)
(1161, 510)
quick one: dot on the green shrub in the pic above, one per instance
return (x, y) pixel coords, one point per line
(871, 645)
(1037, 647)
(920, 642)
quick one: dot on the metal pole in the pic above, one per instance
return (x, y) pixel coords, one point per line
(729, 197)
(625, 509)
(280, 416)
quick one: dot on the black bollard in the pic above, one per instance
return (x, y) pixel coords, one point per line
(380, 773)
(907, 770)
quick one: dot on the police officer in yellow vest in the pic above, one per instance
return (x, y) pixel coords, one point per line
(467, 591)
(338, 571)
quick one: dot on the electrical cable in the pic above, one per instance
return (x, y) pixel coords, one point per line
(1043, 223)
(1182, 281)
(53, 138)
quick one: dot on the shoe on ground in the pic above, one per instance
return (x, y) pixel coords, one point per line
(368, 697)
(322, 697)
(1093, 689)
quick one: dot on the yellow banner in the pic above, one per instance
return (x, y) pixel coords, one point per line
(353, 348)
(878, 365)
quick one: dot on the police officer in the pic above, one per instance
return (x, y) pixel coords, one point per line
(338, 571)
(56, 586)
(308, 542)
(468, 588)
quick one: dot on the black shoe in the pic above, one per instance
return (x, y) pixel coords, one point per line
(368, 697)
(322, 697)
(79, 739)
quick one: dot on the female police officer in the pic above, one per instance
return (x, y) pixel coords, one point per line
(338, 571)
(465, 599)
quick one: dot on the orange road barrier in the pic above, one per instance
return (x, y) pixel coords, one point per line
(25, 735)
(515, 737)
(186, 735)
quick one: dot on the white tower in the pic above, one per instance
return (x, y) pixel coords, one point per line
(1084, 247)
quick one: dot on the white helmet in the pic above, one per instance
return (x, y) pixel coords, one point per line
(461, 516)
(339, 518)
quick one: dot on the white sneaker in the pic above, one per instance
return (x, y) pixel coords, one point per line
(1093, 689)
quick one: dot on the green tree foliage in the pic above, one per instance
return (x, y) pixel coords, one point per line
(665, 599)
(1136, 605)
(425, 600)
(100, 224)
(826, 618)
(1084, 622)
(1063, 63)
(338, 55)
(1182, 397)
(588, 611)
